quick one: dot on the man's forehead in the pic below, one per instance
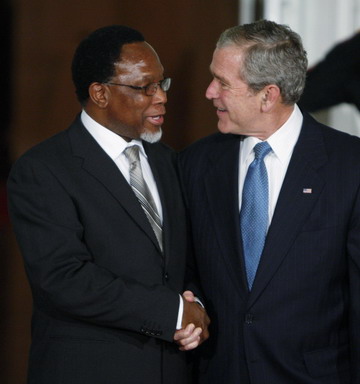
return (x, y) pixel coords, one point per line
(218, 70)
(226, 59)
(142, 64)
(134, 51)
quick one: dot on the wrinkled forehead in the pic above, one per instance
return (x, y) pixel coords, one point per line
(139, 52)
(139, 57)
(226, 60)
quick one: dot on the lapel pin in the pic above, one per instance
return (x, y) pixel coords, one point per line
(307, 190)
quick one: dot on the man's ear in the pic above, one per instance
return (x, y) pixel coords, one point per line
(270, 97)
(99, 94)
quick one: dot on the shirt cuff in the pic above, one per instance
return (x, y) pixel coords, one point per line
(180, 314)
(199, 302)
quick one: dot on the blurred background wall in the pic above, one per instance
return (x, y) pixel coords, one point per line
(322, 24)
(37, 40)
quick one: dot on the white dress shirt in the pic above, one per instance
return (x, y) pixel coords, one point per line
(114, 146)
(277, 161)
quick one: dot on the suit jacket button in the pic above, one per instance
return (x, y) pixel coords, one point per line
(249, 318)
(166, 276)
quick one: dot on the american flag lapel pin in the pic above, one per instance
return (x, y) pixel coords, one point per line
(307, 190)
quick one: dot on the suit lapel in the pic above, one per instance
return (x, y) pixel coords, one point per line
(301, 188)
(221, 183)
(99, 165)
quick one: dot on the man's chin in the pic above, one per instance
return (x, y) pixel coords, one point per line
(222, 128)
(151, 137)
(226, 128)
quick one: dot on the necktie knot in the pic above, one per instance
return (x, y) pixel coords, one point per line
(261, 150)
(132, 153)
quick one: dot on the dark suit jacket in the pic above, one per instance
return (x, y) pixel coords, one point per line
(105, 298)
(301, 322)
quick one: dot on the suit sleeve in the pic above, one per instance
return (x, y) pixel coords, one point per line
(63, 276)
(354, 281)
(192, 279)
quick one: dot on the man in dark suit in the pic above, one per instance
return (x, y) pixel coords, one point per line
(102, 233)
(284, 297)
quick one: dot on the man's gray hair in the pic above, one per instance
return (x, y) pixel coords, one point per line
(273, 54)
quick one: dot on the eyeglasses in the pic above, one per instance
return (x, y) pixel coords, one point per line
(149, 89)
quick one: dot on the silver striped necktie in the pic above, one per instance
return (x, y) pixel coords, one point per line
(142, 191)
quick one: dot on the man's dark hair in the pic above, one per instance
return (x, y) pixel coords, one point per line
(95, 57)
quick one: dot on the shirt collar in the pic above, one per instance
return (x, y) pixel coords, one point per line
(282, 141)
(109, 141)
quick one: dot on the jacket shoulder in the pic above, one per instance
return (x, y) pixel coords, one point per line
(341, 142)
(45, 150)
(209, 146)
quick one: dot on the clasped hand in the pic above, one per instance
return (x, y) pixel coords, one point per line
(195, 324)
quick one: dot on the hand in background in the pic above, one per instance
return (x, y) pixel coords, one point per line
(195, 324)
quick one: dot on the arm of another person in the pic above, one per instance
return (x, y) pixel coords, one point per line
(335, 79)
(193, 333)
(354, 283)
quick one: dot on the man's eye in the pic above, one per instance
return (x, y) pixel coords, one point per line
(223, 84)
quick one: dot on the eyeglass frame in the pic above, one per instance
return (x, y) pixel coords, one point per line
(162, 83)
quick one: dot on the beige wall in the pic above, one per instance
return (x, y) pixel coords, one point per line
(45, 34)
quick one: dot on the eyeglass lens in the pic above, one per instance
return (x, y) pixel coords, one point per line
(164, 85)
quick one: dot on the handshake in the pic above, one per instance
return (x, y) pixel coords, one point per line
(195, 322)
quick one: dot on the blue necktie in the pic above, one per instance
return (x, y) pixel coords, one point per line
(254, 211)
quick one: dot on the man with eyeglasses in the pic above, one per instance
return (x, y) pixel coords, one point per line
(100, 221)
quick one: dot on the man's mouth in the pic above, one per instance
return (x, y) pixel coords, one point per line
(156, 120)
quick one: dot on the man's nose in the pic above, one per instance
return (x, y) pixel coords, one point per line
(212, 90)
(160, 96)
